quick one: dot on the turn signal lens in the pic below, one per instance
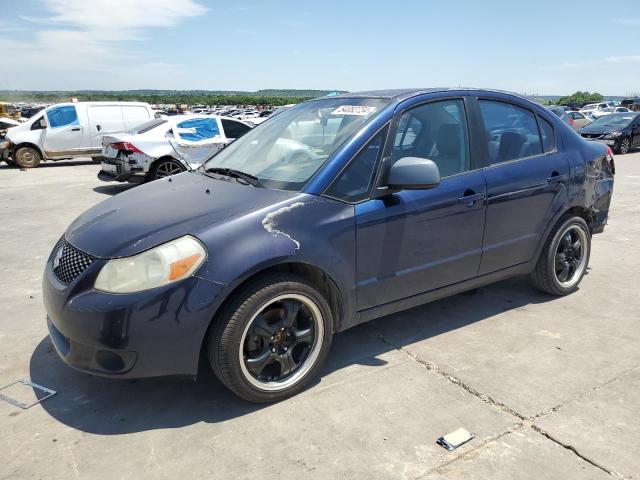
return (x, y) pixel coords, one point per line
(164, 264)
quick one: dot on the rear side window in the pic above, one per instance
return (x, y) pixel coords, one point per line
(198, 129)
(547, 135)
(512, 132)
(354, 182)
(62, 116)
(234, 129)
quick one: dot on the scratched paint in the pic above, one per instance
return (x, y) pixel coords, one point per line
(270, 223)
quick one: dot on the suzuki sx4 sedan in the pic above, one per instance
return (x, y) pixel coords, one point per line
(332, 213)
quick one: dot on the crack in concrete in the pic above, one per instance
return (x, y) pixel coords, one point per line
(574, 450)
(455, 380)
(525, 421)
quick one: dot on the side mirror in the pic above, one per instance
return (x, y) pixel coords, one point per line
(413, 173)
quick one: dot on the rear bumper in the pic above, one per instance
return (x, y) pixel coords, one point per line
(119, 171)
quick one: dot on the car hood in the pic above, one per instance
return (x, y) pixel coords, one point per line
(599, 129)
(159, 211)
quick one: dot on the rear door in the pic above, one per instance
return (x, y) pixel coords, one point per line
(104, 120)
(526, 180)
(134, 115)
(635, 132)
(196, 139)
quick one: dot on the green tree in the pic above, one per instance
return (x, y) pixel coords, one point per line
(580, 98)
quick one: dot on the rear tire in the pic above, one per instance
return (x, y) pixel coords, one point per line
(564, 257)
(271, 339)
(27, 157)
(165, 168)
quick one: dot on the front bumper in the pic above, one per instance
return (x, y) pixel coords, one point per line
(153, 333)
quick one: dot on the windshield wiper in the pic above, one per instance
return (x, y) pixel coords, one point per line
(230, 172)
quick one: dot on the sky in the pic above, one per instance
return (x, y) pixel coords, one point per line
(544, 47)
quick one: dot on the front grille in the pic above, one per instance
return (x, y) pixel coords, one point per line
(68, 262)
(591, 135)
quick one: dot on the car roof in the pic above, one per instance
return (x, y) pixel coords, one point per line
(400, 94)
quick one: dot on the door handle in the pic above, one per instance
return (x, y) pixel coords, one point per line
(556, 178)
(77, 129)
(470, 198)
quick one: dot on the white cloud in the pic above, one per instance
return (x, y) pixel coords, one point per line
(627, 21)
(79, 39)
(625, 58)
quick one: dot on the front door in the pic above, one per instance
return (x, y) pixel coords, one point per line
(526, 176)
(64, 132)
(411, 242)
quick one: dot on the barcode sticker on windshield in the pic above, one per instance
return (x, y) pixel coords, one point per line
(361, 110)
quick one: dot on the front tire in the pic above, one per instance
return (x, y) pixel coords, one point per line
(564, 257)
(27, 157)
(271, 339)
(165, 168)
(625, 145)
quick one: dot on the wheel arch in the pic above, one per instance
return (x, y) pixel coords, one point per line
(317, 277)
(27, 144)
(165, 158)
(575, 210)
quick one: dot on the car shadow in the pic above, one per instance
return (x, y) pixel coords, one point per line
(50, 164)
(113, 188)
(111, 407)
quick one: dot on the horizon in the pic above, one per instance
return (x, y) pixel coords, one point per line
(203, 45)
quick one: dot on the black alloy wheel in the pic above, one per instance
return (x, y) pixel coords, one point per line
(625, 145)
(271, 338)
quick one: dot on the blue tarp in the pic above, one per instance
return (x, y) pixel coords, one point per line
(62, 116)
(198, 129)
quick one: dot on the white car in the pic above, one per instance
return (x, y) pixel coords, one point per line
(592, 108)
(68, 130)
(609, 111)
(166, 146)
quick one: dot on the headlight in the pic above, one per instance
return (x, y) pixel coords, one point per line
(159, 266)
(613, 135)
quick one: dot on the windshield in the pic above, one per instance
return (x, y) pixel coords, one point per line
(616, 120)
(285, 152)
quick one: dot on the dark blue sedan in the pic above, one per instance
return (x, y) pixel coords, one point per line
(334, 212)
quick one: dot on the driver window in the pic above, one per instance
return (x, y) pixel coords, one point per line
(437, 131)
(355, 181)
(62, 116)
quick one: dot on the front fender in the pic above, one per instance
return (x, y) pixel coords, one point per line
(305, 229)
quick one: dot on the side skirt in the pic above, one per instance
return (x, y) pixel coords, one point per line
(422, 298)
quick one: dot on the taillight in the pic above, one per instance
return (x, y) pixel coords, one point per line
(571, 122)
(609, 152)
(126, 146)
